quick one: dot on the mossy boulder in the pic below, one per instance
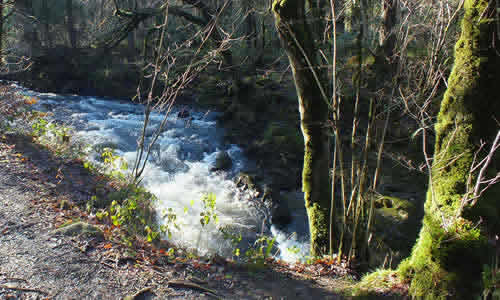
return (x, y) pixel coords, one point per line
(396, 226)
(78, 229)
(396, 208)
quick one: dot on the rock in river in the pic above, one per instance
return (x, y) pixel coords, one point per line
(223, 161)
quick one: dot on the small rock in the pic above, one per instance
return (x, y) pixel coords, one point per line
(183, 114)
(245, 181)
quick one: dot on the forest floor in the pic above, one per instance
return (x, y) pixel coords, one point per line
(39, 193)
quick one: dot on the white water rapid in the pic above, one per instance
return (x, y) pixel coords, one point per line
(179, 171)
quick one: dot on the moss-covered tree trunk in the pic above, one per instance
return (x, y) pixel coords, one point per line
(447, 260)
(298, 41)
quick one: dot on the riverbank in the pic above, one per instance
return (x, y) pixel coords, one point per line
(41, 195)
(262, 117)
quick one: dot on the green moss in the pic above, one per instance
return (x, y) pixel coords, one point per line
(316, 188)
(442, 260)
(318, 227)
(378, 282)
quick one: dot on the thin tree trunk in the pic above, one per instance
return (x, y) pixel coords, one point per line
(46, 22)
(348, 15)
(131, 34)
(298, 41)
(250, 24)
(453, 245)
(70, 23)
(29, 34)
(387, 38)
(1, 32)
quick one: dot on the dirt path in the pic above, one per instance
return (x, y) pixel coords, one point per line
(37, 264)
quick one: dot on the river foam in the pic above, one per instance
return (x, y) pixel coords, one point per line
(180, 171)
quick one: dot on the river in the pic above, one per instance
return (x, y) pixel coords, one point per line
(180, 170)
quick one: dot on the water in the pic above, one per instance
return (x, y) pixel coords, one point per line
(179, 171)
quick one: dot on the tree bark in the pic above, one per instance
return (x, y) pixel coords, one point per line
(1, 32)
(29, 33)
(348, 14)
(131, 35)
(387, 39)
(298, 41)
(46, 22)
(250, 24)
(447, 260)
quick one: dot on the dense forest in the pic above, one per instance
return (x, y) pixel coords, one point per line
(384, 114)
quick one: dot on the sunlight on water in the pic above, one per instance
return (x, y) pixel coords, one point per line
(180, 172)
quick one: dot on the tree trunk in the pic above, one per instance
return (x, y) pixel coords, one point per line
(348, 15)
(298, 41)
(29, 33)
(131, 35)
(387, 38)
(1, 33)
(339, 13)
(46, 22)
(453, 245)
(70, 23)
(250, 24)
(208, 15)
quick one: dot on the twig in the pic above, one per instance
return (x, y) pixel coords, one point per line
(190, 285)
(485, 166)
(107, 265)
(23, 289)
(140, 292)
(7, 279)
